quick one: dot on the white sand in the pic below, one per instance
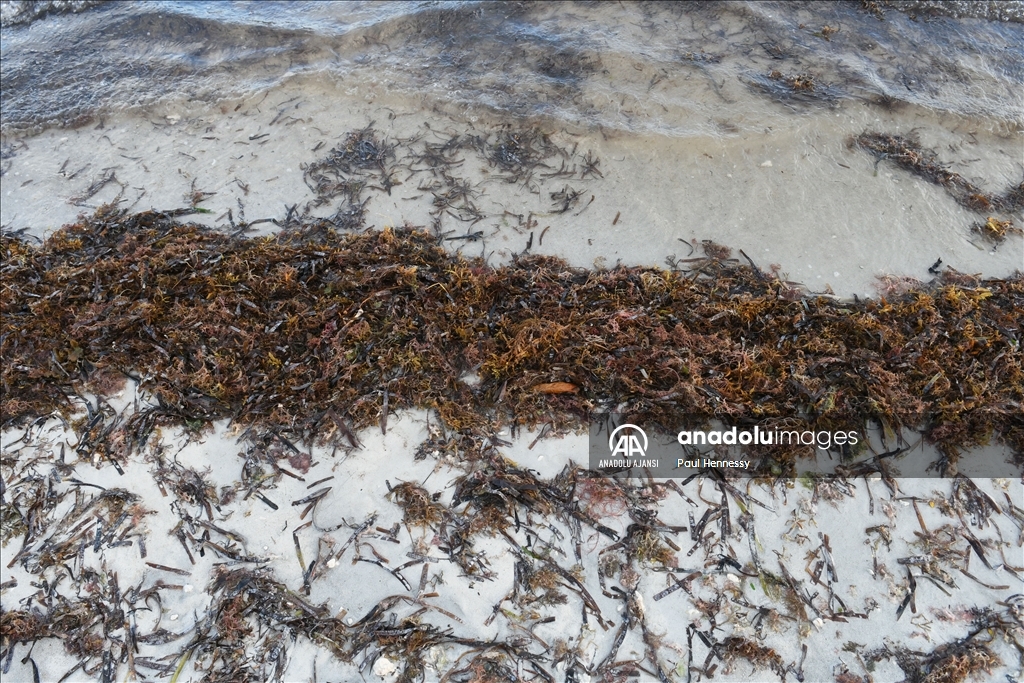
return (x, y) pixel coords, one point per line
(784, 535)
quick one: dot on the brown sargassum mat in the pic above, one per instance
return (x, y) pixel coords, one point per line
(314, 333)
(310, 335)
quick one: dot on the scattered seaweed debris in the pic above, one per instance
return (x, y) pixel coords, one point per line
(252, 619)
(418, 506)
(699, 57)
(957, 661)
(567, 67)
(759, 656)
(907, 153)
(366, 160)
(827, 32)
(361, 160)
(251, 605)
(796, 83)
(254, 624)
(874, 8)
(244, 636)
(310, 333)
(995, 230)
(517, 153)
(802, 88)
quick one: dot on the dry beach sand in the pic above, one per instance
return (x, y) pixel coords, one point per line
(217, 552)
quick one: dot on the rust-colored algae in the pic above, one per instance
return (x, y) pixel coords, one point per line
(307, 331)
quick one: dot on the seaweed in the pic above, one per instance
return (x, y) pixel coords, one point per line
(953, 662)
(908, 154)
(568, 66)
(347, 171)
(759, 656)
(800, 88)
(418, 506)
(254, 619)
(795, 83)
(252, 605)
(996, 230)
(309, 332)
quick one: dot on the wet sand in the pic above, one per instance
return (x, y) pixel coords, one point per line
(796, 196)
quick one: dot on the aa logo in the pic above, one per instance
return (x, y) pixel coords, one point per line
(625, 441)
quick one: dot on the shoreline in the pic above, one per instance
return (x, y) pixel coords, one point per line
(814, 213)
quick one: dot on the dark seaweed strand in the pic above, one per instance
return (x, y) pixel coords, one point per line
(908, 154)
(308, 330)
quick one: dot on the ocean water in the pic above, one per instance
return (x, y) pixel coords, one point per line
(671, 69)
